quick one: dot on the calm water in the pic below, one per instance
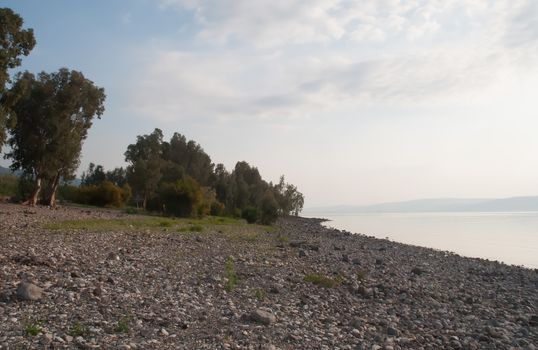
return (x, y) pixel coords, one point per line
(508, 237)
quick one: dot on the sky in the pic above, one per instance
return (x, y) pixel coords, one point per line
(355, 102)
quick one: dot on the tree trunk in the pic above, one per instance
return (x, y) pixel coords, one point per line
(144, 202)
(35, 194)
(53, 188)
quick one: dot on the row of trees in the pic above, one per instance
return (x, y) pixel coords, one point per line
(46, 116)
(177, 177)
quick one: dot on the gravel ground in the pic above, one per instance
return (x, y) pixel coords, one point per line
(296, 286)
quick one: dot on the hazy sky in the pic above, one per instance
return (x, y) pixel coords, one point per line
(356, 102)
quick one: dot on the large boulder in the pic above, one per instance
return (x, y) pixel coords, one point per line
(28, 291)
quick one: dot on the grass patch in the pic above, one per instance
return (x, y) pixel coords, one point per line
(192, 228)
(122, 326)
(231, 276)
(283, 239)
(260, 294)
(78, 330)
(32, 329)
(243, 236)
(361, 275)
(321, 280)
(145, 222)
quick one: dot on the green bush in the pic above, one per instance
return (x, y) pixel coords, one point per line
(250, 214)
(321, 280)
(106, 194)
(9, 185)
(269, 209)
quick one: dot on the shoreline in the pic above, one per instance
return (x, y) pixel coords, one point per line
(486, 239)
(297, 286)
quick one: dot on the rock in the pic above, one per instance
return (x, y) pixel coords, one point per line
(302, 253)
(356, 333)
(534, 321)
(418, 271)
(28, 291)
(391, 331)
(164, 332)
(268, 347)
(262, 316)
(365, 292)
(113, 256)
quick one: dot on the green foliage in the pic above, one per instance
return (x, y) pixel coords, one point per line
(260, 294)
(144, 171)
(122, 326)
(50, 116)
(190, 157)
(9, 185)
(32, 329)
(231, 276)
(361, 275)
(78, 330)
(290, 200)
(217, 208)
(94, 175)
(178, 178)
(14, 43)
(106, 194)
(184, 198)
(146, 222)
(269, 209)
(192, 228)
(250, 214)
(321, 280)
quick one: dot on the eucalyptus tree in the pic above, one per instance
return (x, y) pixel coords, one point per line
(14, 43)
(51, 115)
(144, 170)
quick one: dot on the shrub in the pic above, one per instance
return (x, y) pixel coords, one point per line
(231, 276)
(9, 185)
(123, 325)
(32, 329)
(106, 194)
(217, 209)
(183, 198)
(78, 330)
(269, 209)
(250, 214)
(321, 280)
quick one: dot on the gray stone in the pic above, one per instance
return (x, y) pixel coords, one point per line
(391, 331)
(262, 316)
(28, 291)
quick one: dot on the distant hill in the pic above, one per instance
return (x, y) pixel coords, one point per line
(513, 204)
(4, 170)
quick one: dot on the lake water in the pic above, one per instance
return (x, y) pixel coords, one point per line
(508, 237)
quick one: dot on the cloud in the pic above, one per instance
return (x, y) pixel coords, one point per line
(293, 59)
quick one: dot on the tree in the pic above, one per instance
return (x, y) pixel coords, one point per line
(118, 176)
(144, 171)
(53, 113)
(14, 43)
(94, 175)
(290, 200)
(191, 157)
(268, 208)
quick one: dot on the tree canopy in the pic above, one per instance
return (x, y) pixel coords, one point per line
(51, 114)
(14, 43)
